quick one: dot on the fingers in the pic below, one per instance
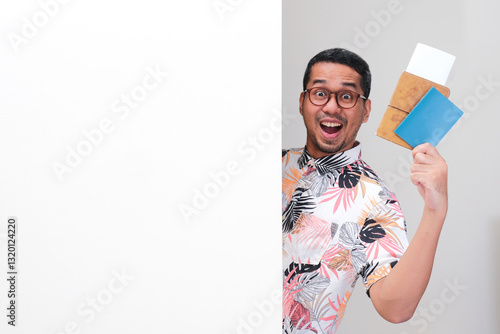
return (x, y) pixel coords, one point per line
(428, 164)
(420, 168)
(425, 164)
(429, 172)
(429, 169)
(427, 155)
(426, 178)
(424, 159)
(427, 149)
(415, 179)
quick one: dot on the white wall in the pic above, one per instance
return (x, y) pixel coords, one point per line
(117, 212)
(468, 249)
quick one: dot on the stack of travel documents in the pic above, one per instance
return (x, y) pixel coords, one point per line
(419, 110)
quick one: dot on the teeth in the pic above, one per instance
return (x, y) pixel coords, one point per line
(330, 124)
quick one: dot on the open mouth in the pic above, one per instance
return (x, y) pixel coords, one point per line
(331, 127)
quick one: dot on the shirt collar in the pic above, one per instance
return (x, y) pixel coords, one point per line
(331, 162)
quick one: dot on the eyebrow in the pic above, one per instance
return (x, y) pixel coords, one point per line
(319, 81)
(345, 84)
(349, 84)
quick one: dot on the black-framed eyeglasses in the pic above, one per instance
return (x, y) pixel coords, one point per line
(345, 98)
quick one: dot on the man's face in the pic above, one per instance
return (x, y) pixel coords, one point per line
(330, 128)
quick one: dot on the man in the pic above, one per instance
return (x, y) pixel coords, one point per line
(339, 220)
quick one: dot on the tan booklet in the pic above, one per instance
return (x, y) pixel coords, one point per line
(408, 92)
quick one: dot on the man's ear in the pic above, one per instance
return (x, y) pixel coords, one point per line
(301, 101)
(368, 108)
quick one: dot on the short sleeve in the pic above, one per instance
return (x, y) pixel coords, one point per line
(384, 238)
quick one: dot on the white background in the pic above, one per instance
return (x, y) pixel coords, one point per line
(118, 211)
(468, 250)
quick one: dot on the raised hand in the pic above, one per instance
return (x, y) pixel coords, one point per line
(429, 173)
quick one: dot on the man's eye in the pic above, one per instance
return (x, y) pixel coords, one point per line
(346, 96)
(320, 93)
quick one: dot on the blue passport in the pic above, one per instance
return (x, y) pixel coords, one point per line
(430, 120)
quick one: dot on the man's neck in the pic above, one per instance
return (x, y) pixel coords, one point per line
(316, 153)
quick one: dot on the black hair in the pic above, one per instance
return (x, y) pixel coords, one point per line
(345, 57)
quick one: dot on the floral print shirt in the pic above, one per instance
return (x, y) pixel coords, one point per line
(339, 222)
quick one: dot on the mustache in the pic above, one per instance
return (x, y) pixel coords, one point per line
(339, 119)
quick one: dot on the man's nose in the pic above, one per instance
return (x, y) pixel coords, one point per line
(332, 105)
